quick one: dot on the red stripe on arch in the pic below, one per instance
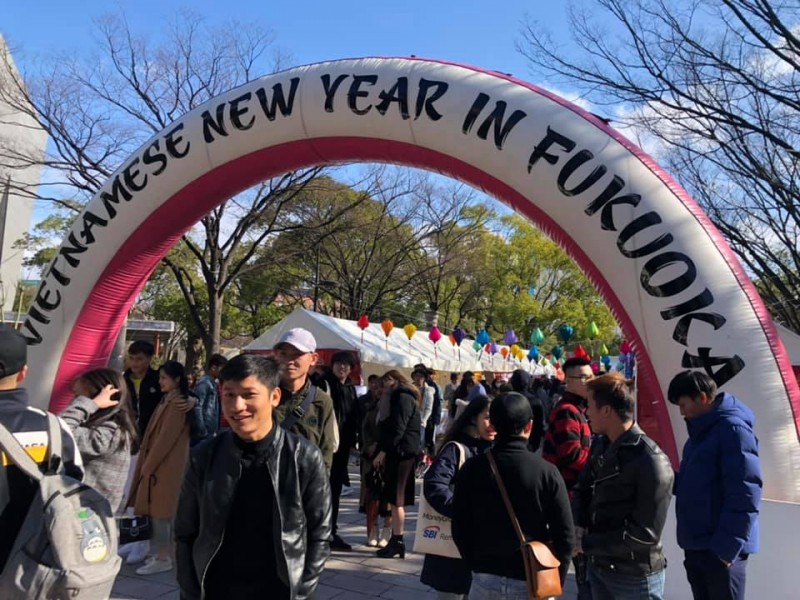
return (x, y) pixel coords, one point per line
(93, 336)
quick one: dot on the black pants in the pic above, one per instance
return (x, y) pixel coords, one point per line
(711, 579)
(339, 478)
(430, 434)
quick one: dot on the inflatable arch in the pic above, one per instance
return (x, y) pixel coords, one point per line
(671, 280)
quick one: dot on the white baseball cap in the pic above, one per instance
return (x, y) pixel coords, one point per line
(300, 338)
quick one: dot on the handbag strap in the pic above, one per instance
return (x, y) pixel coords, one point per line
(506, 500)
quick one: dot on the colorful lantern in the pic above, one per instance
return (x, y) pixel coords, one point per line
(504, 352)
(510, 337)
(625, 347)
(410, 330)
(580, 352)
(483, 337)
(476, 345)
(363, 323)
(565, 332)
(603, 349)
(595, 368)
(557, 351)
(387, 327)
(537, 337)
(459, 334)
(514, 350)
(533, 354)
(592, 330)
(435, 335)
(452, 339)
(493, 348)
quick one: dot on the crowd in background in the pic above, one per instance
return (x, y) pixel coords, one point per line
(240, 472)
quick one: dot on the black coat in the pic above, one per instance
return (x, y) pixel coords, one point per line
(302, 511)
(401, 431)
(622, 498)
(147, 399)
(444, 574)
(347, 410)
(482, 528)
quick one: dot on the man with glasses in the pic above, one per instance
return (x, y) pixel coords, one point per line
(568, 441)
(568, 437)
(304, 409)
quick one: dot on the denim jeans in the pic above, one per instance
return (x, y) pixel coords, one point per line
(495, 587)
(607, 585)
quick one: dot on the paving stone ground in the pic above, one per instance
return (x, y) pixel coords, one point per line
(355, 575)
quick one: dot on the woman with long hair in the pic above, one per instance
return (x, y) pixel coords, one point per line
(162, 461)
(470, 434)
(371, 480)
(400, 442)
(103, 424)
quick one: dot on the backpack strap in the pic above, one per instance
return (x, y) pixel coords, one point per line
(17, 453)
(301, 410)
(55, 446)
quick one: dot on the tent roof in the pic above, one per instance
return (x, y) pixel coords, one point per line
(394, 350)
(791, 342)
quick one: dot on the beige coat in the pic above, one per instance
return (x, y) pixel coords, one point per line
(162, 460)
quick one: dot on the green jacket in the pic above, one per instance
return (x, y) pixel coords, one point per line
(317, 424)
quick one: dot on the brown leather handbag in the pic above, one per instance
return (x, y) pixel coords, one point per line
(541, 567)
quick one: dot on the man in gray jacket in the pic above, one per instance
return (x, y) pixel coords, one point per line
(254, 519)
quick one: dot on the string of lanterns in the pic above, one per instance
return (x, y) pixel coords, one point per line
(511, 348)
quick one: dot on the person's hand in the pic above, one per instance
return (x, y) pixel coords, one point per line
(103, 398)
(727, 563)
(579, 531)
(380, 460)
(185, 405)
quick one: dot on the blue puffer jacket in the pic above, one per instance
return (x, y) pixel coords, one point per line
(718, 489)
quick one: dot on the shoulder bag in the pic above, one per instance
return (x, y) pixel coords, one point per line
(541, 567)
(434, 533)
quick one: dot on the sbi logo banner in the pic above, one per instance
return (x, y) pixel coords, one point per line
(431, 532)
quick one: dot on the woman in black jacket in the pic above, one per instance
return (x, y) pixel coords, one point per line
(400, 442)
(470, 434)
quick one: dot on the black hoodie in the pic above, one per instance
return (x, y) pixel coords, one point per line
(521, 381)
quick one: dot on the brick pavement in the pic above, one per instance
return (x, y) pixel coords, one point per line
(355, 575)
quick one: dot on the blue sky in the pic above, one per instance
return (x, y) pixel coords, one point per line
(474, 32)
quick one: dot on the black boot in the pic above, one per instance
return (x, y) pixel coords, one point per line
(396, 546)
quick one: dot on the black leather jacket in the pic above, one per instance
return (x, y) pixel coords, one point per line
(302, 508)
(622, 499)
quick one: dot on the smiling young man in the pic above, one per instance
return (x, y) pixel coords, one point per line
(254, 514)
(304, 409)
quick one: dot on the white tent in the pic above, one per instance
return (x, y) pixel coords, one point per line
(379, 352)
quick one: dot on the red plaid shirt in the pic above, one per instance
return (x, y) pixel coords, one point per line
(568, 438)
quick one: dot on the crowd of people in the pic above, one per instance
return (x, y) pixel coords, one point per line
(241, 471)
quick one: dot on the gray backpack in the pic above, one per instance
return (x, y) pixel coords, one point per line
(67, 546)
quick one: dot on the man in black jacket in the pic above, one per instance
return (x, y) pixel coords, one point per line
(142, 382)
(482, 527)
(622, 498)
(521, 382)
(254, 519)
(345, 406)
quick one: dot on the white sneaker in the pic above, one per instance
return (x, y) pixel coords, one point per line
(155, 564)
(386, 534)
(138, 552)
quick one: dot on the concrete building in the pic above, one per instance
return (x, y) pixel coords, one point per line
(20, 135)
